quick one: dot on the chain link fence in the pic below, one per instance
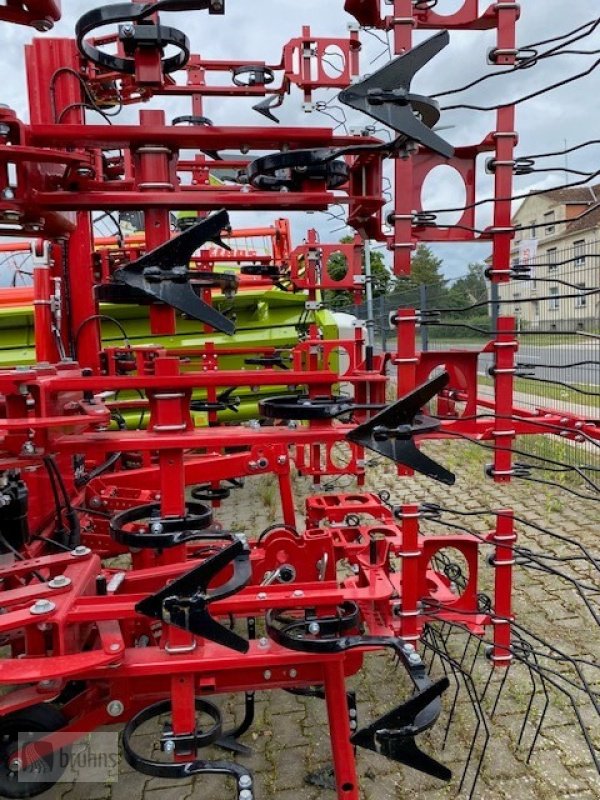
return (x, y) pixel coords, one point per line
(556, 305)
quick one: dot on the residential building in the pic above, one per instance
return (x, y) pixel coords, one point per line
(558, 236)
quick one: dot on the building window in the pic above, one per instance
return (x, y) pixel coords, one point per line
(536, 308)
(549, 220)
(579, 251)
(552, 254)
(554, 302)
(533, 229)
(581, 300)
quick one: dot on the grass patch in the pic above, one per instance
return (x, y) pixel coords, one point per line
(550, 392)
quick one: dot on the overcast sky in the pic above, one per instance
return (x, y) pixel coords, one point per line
(259, 29)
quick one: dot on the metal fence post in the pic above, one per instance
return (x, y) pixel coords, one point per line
(495, 309)
(424, 328)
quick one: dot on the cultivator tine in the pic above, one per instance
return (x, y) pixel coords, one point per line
(385, 96)
(184, 602)
(393, 734)
(162, 274)
(390, 432)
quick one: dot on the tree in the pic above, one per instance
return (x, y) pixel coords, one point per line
(336, 268)
(425, 268)
(469, 290)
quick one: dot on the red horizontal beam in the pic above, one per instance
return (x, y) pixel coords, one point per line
(189, 138)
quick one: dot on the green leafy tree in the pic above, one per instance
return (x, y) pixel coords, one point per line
(469, 290)
(337, 268)
(425, 268)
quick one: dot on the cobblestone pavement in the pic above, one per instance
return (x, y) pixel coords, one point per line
(290, 737)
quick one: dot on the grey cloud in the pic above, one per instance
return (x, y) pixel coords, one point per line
(259, 29)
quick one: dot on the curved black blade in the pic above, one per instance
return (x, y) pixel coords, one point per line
(390, 432)
(150, 274)
(408, 455)
(393, 734)
(385, 96)
(184, 603)
(265, 106)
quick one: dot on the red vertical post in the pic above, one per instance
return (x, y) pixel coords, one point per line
(339, 730)
(80, 298)
(154, 172)
(505, 346)
(45, 345)
(504, 537)
(410, 554)
(406, 356)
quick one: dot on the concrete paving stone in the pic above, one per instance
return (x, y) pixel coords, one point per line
(129, 785)
(524, 788)
(304, 793)
(554, 777)
(183, 791)
(86, 791)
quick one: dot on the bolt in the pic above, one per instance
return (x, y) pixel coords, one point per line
(42, 607)
(353, 725)
(28, 449)
(80, 550)
(263, 642)
(42, 25)
(298, 593)
(11, 215)
(127, 30)
(48, 684)
(169, 746)
(85, 172)
(414, 658)
(156, 527)
(59, 582)
(267, 674)
(282, 460)
(114, 647)
(262, 463)
(252, 465)
(115, 708)
(15, 765)
(245, 782)
(314, 628)
(246, 794)
(293, 673)
(95, 502)
(8, 194)
(408, 648)
(262, 595)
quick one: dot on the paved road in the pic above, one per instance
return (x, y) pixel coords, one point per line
(552, 357)
(548, 358)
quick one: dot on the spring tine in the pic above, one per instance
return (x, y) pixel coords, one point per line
(538, 728)
(487, 683)
(477, 651)
(529, 705)
(502, 684)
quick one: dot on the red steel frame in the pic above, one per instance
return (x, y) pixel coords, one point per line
(61, 408)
